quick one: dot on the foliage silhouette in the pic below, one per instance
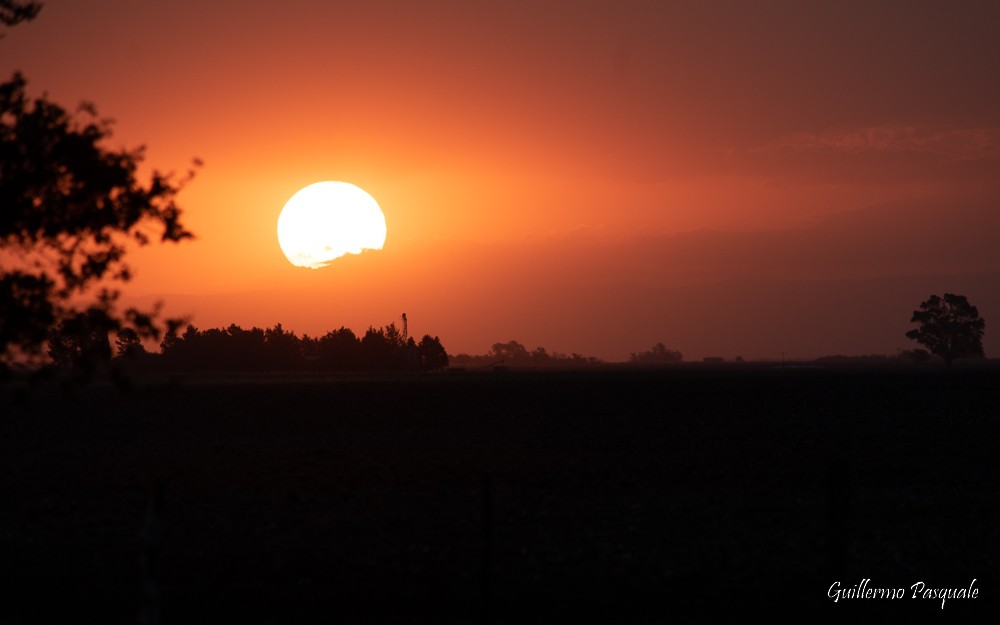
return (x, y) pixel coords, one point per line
(128, 344)
(658, 355)
(338, 350)
(13, 12)
(513, 353)
(80, 342)
(950, 327)
(275, 349)
(70, 208)
(431, 353)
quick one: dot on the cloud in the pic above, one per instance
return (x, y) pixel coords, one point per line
(909, 156)
(958, 144)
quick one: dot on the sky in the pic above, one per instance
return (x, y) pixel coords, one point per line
(731, 179)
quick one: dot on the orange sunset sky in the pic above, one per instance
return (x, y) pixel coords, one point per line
(739, 178)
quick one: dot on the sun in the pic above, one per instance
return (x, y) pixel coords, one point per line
(326, 220)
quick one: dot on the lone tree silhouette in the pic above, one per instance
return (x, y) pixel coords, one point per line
(68, 208)
(950, 327)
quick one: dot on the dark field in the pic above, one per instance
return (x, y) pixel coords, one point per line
(613, 497)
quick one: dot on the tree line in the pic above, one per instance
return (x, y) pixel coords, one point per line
(74, 345)
(513, 353)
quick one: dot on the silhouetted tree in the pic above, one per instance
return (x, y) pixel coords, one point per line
(69, 207)
(540, 356)
(81, 342)
(511, 351)
(13, 12)
(384, 349)
(243, 349)
(432, 353)
(949, 326)
(283, 349)
(338, 350)
(129, 344)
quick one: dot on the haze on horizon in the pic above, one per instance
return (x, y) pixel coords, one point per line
(766, 178)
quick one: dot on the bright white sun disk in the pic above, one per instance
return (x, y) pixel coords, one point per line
(326, 220)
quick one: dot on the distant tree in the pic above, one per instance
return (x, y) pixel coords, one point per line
(511, 351)
(658, 355)
(283, 349)
(69, 207)
(338, 350)
(432, 354)
(393, 336)
(172, 341)
(129, 344)
(540, 356)
(950, 327)
(376, 351)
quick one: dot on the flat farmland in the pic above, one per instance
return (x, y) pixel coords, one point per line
(511, 497)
